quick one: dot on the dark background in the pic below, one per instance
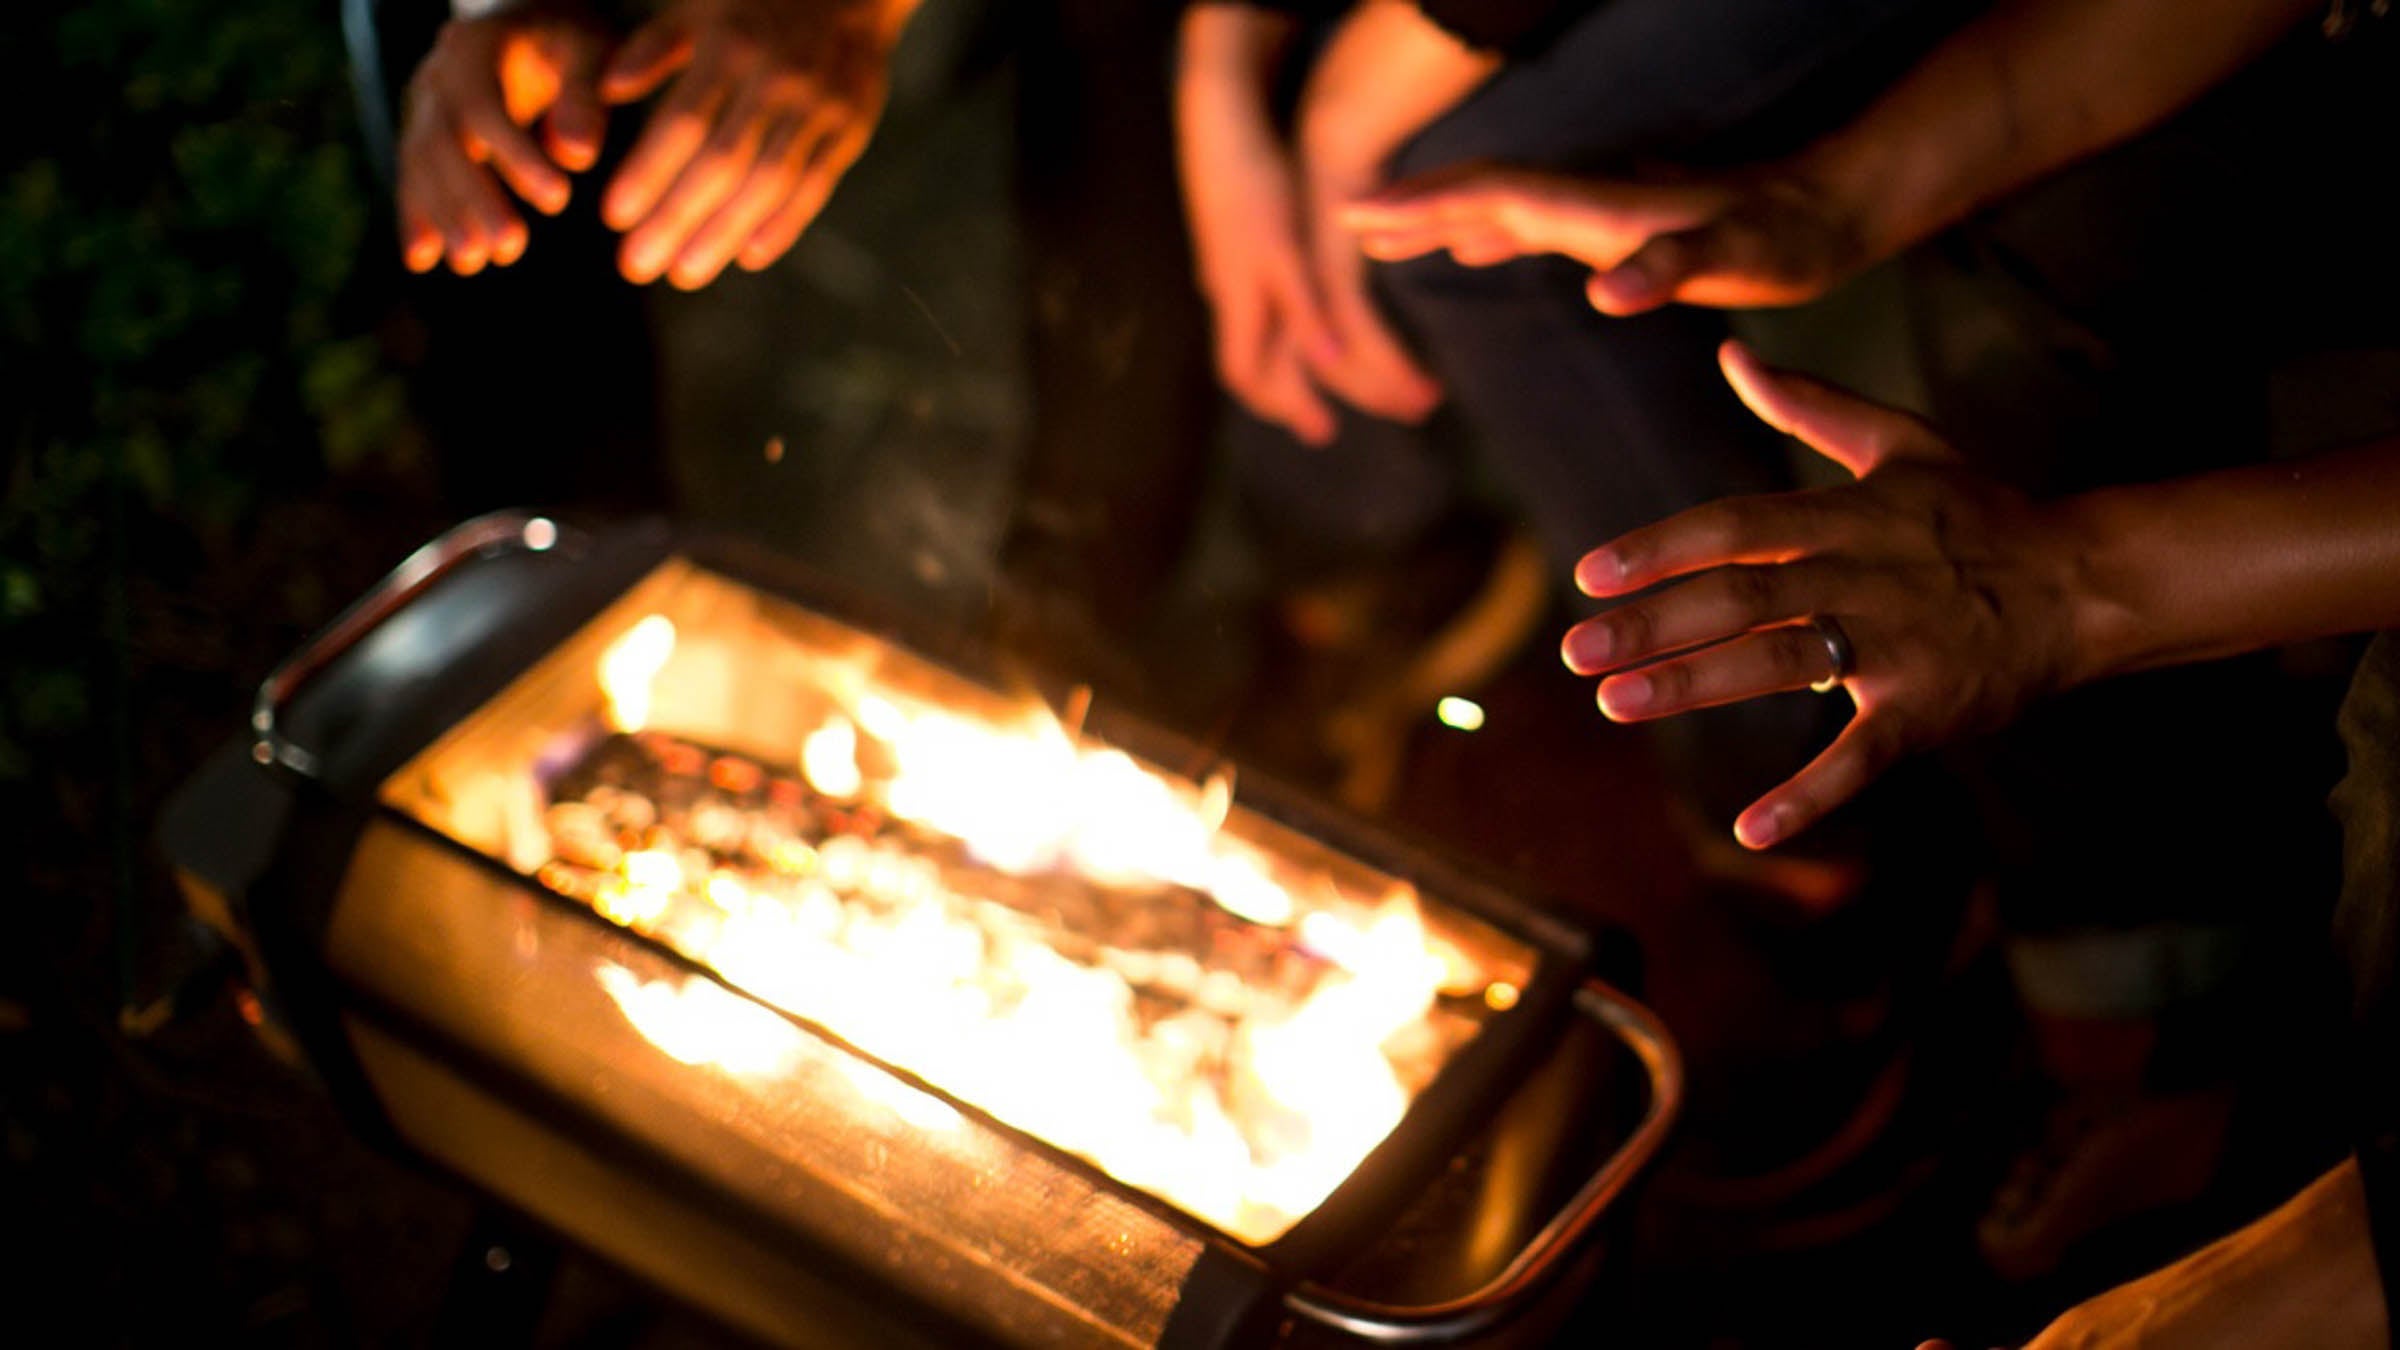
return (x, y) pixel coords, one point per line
(227, 411)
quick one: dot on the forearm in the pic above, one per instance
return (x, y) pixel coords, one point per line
(2026, 89)
(2231, 561)
(1231, 48)
(1386, 74)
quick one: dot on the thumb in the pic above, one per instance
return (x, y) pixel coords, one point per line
(655, 50)
(1851, 431)
(1647, 278)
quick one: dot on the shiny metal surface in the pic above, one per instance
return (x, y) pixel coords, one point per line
(480, 537)
(1484, 1308)
(808, 1143)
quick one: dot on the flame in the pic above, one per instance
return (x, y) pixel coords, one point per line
(829, 759)
(1246, 1107)
(630, 665)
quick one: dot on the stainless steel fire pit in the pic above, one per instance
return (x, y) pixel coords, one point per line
(780, 959)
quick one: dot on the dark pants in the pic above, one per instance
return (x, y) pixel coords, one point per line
(1589, 426)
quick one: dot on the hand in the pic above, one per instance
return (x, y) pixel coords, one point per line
(772, 102)
(1365, 363)
(466, 118)
(1959, 598)
(1241, 199)
(1384, 74)
(1768, 237)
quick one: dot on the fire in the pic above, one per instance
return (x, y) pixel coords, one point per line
(830, 759)
(1243, 1093)
(629, 666)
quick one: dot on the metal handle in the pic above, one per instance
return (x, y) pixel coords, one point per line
(500, 531)
(1471, 1314)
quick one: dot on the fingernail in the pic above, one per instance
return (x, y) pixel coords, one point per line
(1599, 573)
(1586, 648)
(1762, 831)
(1625, 695)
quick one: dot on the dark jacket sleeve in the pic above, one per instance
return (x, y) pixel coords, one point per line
(1513, 28)
(1308, 11)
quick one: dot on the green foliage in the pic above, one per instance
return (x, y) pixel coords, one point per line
(181, 217)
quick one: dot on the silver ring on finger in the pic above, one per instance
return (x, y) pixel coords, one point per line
(1841, 660)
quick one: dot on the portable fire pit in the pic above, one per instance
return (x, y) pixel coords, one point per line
(853, 999)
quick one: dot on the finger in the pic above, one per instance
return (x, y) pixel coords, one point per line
(1284, 395)
(512, 152)
(833, 156)
(644, 60)
(1708, 608)
(497, 223)
(420, 241)
(1777, 528)
(709, 179)
(675, 133)
(1851, 431)
(1527, 211)
(469, 211)
(699, 193)
(577, 121)
(1774, 661)
(1651, 276)
(1374, 373)
(1456, 198)
(425, 197)
(1402, 242)
(1856, 758)
(782, 154)
(1483, 248)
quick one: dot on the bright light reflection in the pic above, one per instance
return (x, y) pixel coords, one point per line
(1246, 1108)
(1463, 714)
(701, 1024)
(629, 665)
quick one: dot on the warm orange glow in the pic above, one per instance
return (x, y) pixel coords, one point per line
(1241, 1079)
(697, 1022)
(628, 667)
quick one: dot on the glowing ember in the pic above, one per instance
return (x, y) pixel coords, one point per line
(1043, 928)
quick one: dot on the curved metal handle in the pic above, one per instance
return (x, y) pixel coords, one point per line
(480, 537)
(1470, 1314)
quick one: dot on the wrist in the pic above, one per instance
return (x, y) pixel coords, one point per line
(1336, 155)
(2102, 574)
(1865, 187)
(1230, 46)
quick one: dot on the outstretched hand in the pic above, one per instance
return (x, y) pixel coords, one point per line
(1959, 597)
(771, 102)
(467, 129)
(1768, 237)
